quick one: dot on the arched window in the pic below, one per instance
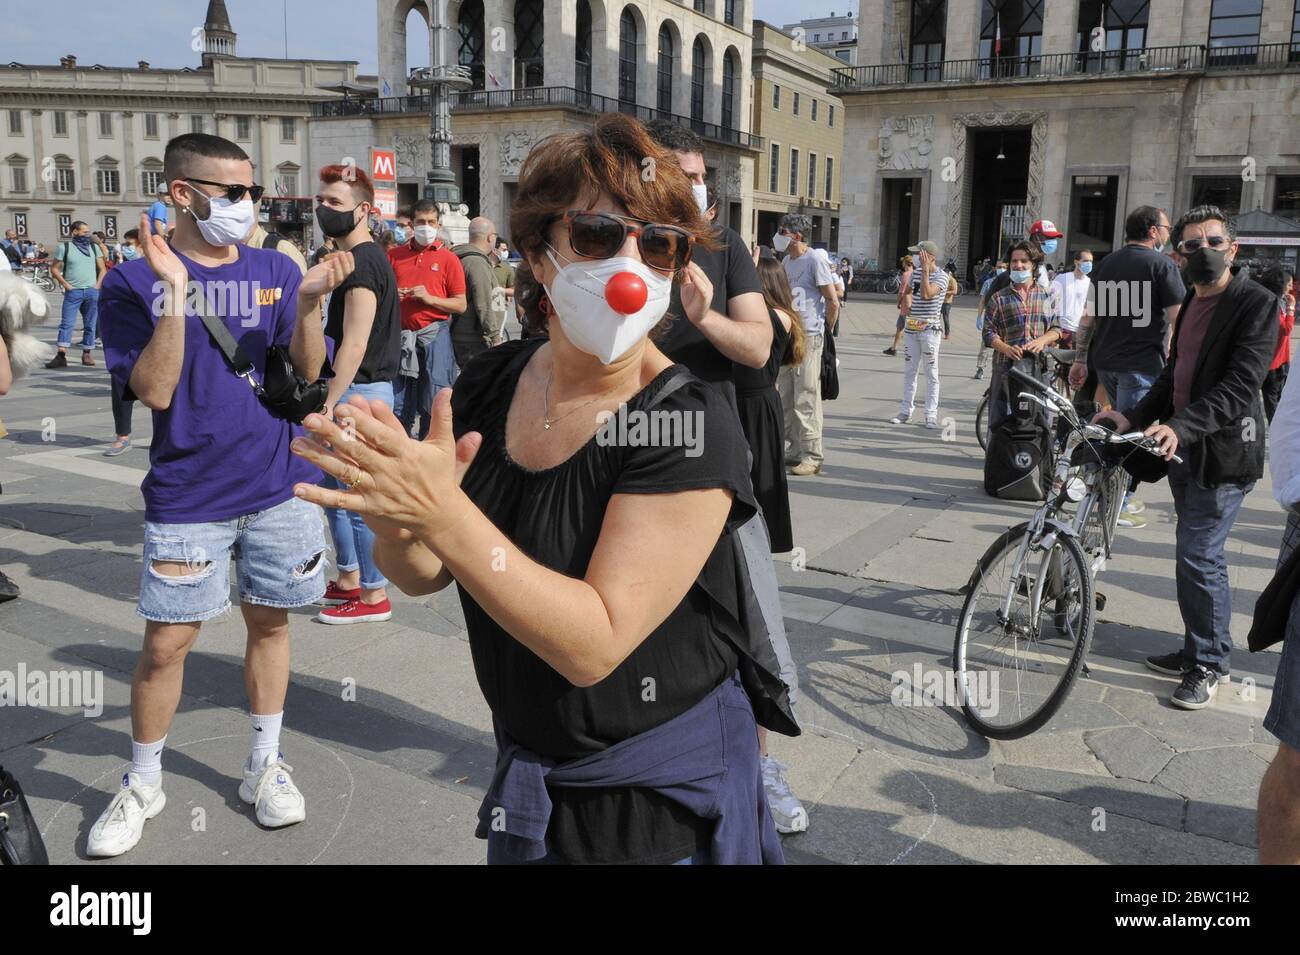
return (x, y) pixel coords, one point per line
(582, 46)
(667, 67)
(627, 44)
(728, 89)
(699, 6)
(528, 43)
(699, 78)
(729, 12)
(469, 29)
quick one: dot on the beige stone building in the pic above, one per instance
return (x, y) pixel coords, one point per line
(544, 66)
(1005, 111)
(802, 127)
(81, 141)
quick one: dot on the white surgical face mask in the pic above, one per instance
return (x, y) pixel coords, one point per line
(701, 193)
(228, 223)
(780, 242)
(578, 294)
(426, 234)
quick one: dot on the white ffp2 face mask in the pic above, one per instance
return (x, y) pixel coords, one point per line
(701, 193)
(780, 242)
(228, 222)
(425, 234)
(578, 295)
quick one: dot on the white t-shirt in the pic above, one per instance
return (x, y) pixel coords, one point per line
(806, 274)
(1069, 296)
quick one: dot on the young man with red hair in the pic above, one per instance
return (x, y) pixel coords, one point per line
(431, 288)
(364, 324)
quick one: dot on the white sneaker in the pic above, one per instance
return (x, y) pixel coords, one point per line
(787, 811)
(932, 423)
(898, 419)
(272, 791)
(119, 827)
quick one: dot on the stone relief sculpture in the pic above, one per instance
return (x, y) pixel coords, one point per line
(906, 142)
(513, 148)
(412, 154)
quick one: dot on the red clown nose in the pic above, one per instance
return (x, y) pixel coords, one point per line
(626, 293)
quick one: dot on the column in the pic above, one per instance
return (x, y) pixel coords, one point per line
(560, 26)
(604, 52)
(1275, 26)
(682, 82)
(392, 47)
(130, 185)
(34, 180)
(1060, 25)
(1164, 23)
(962, 32)
(499, 43)
(84, 171)
(266, 171)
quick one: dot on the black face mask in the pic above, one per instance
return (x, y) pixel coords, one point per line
(336, 223)
(1205, 266)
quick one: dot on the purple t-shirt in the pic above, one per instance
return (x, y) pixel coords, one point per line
(217, 452)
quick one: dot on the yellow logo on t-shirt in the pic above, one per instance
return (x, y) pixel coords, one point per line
(269, 296)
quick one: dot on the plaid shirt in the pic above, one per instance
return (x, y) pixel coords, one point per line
(1018, 321)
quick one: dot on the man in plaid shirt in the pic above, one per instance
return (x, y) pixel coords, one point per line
(1019, 322)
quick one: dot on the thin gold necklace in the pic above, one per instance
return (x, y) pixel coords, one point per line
(547, 420)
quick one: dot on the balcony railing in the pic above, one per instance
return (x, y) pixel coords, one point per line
(565, 97)
(1160, 59)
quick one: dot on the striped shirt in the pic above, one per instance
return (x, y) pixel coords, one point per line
(925, 313)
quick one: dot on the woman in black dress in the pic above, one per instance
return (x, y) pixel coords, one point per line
(760, 406)
(596, 570)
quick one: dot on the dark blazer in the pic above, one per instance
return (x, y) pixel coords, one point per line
(1221, 432)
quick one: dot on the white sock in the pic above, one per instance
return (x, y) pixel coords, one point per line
(266, 737)
(146, 761)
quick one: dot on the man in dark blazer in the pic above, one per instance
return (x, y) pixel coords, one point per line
(1207, 402)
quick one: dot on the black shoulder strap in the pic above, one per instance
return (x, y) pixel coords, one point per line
(671, 385)
(226, 342)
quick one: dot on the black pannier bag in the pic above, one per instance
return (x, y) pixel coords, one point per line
(1018, 461)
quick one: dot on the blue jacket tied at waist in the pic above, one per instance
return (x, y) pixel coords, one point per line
(706, 759)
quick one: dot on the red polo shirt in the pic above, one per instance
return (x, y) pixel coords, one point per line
(435, 267)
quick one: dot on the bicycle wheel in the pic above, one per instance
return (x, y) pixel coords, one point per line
(1105, 509)
(1013, 671)
(982, 422)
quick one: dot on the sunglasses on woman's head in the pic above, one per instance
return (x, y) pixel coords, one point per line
(234, 191)
(600, 235)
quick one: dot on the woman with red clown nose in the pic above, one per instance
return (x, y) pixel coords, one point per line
(598, 579)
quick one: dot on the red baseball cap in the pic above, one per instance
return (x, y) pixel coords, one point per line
(1047, 228)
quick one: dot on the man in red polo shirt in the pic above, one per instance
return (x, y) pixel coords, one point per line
(430, 287)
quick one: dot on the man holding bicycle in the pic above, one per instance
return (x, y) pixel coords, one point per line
(1206, 406)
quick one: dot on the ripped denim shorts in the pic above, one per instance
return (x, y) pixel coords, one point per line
(279, 562)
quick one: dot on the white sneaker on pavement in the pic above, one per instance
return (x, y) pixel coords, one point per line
(271, 790)
(787, 811)
(119, 827)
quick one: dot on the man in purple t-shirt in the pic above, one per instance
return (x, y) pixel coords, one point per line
(221, 475)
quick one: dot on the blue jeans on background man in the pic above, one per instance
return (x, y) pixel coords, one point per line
(1205, 517)
(413, 397)
(86, 301)
(354, 542)
(1125, 389)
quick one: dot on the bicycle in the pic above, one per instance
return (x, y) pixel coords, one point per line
(38, 274)
(1047, 565)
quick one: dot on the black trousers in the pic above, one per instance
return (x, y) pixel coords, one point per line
(121, 411)
(1271, 389)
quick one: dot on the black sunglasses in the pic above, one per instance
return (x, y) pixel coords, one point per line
(600, 235)
(234, 191)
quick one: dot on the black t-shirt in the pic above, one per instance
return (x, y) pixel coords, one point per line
(384, 349)
(732, 272)
(555, 517)
(1131, 289)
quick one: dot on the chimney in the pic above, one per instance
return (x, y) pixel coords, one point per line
(143, 65)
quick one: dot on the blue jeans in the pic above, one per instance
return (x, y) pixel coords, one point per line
(413, 397)
(1126, 389)
(354, 542)
(1205, 516)
(86, 301)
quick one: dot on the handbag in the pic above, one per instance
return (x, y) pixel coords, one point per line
(830, 382)
(1273, 608)
(20, 840)
(284, 392)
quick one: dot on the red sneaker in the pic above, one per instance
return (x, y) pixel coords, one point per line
(354, 611)
(334, 594)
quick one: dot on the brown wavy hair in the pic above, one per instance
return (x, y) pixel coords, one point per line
(617, 157)
(777, 294)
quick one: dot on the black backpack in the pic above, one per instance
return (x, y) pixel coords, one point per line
(1018, 461)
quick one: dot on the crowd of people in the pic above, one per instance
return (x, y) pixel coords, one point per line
(369, 388)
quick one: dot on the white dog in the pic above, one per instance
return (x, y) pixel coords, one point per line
(22, 305)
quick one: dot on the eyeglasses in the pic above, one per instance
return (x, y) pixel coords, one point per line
(599, 235)
(1188, 246)
(234, 191)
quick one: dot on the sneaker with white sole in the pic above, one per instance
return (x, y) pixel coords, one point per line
(1131, 520)
(119, 827)
(1134, 506)
(787, 811)
(898, 419)
(932, 423)
(1197, 689)
(271, 790)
